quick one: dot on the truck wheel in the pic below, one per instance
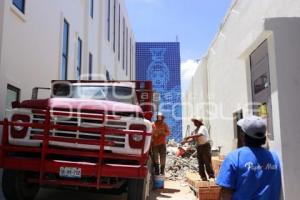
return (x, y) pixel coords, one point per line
(139, 189)
(15, 186)
(136, 189)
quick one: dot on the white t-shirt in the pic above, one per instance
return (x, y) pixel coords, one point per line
(205, 136)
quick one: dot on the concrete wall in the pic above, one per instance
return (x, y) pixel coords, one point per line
(2, 83)
(228, 62)
(247, 24)
(2, 86)
(287, 49)
(195, 101)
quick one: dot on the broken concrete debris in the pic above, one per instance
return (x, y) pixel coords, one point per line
(178, 166)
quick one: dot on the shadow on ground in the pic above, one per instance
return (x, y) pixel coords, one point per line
(163, 193)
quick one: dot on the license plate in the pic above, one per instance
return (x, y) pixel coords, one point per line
(70, 172)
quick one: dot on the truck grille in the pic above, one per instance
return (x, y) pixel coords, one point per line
(118, 139)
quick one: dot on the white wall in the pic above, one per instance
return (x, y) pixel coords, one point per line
(247, 24)
(2, 72)
(195, 101)
(31, 43)
(228, 62)
(287, 48)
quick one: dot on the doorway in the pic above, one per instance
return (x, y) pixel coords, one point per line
(260, 85)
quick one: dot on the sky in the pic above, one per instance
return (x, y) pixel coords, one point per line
(194, 22)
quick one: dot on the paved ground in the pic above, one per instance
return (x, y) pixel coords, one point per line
(173, 191)
(47, 194)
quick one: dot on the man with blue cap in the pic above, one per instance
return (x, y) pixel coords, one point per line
(251, 172)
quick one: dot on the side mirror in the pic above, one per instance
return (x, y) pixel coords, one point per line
(61, 89)
(35, 92)
(15, 104)
(148, 115)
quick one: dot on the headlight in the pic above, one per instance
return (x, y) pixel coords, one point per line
(19, 132)
(137, 138)
(19, 128)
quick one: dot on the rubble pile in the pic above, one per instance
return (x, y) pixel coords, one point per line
(178, 166)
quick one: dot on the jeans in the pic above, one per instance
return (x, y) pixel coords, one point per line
(159, 156)
(204, 161)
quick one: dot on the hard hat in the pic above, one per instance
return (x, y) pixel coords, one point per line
(160, 114)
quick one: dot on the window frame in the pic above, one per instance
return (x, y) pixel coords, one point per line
(92, 9)
(65, 54)
(13, 89)
(21, 9)
(119, 35)
(123, 58)
(114, 27)
(107, 74)
(130, 56)
(79, 58)
(90, 66)
(108, 20)
(126, 53)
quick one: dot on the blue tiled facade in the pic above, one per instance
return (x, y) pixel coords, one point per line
(160, 62)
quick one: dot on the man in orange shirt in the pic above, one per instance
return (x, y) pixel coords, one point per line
(159, 148)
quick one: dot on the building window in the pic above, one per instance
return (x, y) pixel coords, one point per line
(126, 51)
(260, 85)
(107, 75)
(90, 66)
(130, 56)
(123, 43)
(114, 28)
(20, 4)
(119, 35)
(238, 133)
(132, 60)
(12, 95)
(79, 59)
(65, 51)
(108, 20)
(92, 8)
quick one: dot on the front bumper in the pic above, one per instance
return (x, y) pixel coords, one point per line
(94, 164)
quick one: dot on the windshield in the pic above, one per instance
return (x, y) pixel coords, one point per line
(111, 93)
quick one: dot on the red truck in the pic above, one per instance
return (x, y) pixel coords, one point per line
(89, 135)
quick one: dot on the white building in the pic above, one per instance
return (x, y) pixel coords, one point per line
(62, 39)
(255, 58)
(195, 100)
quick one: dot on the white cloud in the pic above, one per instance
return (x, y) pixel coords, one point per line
(188, 69)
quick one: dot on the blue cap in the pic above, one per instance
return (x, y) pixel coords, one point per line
(253, 126)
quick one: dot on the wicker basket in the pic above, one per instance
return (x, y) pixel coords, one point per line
(209, 193)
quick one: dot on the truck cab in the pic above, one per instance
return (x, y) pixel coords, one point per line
(87, 134)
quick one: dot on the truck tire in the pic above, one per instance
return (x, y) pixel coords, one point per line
(136, 189)
(139, 189)
(15, 186)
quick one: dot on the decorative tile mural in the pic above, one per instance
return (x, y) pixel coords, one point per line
(160, 62)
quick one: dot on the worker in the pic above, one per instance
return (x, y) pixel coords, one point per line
(159, 149)
(251, 172)
(201, 137)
